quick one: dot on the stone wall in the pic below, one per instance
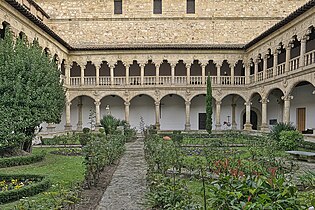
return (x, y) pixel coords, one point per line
(60, 9)
(152, 31)
(88, 23)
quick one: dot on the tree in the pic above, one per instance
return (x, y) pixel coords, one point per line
(30, 91)
(209, 106)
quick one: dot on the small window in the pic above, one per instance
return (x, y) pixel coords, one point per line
(117, 6)
(190, 6)
(157, 6)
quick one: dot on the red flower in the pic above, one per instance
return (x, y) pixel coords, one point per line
(249, 198)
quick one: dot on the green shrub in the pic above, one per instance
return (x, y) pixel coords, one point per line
(290, 140)
(110, 123)
(177, 132)
(276, 130)
(21, 160)
(86, 130)
(101, 130)
(30, 190)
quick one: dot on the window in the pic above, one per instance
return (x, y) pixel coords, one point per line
(157, 6)
(190, 6)
(117, 6)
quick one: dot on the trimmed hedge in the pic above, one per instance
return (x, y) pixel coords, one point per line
(13, 195)
(21, 160)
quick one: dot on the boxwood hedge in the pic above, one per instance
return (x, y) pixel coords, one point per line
(40, 185)
(21, 160)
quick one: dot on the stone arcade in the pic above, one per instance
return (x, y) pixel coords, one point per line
(140, 64)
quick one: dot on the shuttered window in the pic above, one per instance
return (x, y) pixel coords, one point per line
(190, 6)
(117, 6)
(157, 6)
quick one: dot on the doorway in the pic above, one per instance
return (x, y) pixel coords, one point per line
(300, 119)
(202, 121)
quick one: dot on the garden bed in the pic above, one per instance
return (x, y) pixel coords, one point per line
(15, 187)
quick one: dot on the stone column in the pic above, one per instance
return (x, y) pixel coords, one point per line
(286, 108)
(265, 67)
(80, 122)
(275, 62)
(264, 124)
(232, 73)
(248, 125)
(302, 52)
(68, 125)
(203, 74)
(218, 115)
(127, 106)
(287, 57)
(97, 69)
(218, 73)
(67, 73)
(97, 114)
(157, 115)
(111, 67)
(82, 66)
(188, 73)
(142, 65)
(173, 73)
(234, 125)
(157, 74)
(187, 125)
(256, 70)
(127, 74)
(247, 73)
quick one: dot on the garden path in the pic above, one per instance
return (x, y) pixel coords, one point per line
(127, 187)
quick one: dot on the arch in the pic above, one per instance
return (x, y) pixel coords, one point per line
(172, 93)
(73, 97)
(146, 94)
(293, 85)
(150, 69)
(253, 94)
(180, 69)
(104, 69)
(272, 89)
(198, 94)
(75, 70)
(195, 69)
(112, 94)
(134, 69)
(165, 68)
(2, 31)
(238, 94)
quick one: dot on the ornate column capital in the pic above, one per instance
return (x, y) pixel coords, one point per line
(187, 103)
(127, 103)
(264, 101)
(68, 103)
(314, 92)
(157, 103)
(248, 103)
(218, 103)
(287, 97)
(97, 103)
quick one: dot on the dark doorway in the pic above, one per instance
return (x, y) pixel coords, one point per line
(253, 119)
(202, 121)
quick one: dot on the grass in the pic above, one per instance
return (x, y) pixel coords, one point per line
(59, 169)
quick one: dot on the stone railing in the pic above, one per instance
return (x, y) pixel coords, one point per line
(262, 76)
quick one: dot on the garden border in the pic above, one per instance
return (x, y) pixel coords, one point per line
(30, 190)
(21, 160)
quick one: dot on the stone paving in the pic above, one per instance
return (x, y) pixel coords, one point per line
(128, 185)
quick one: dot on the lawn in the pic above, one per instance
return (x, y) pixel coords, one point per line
(61, 170)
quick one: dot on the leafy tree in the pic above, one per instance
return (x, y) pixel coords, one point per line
(209, 106)
(30, 90)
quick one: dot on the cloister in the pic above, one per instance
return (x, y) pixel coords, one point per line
(268, 80)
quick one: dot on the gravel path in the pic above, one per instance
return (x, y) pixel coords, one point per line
(127, 188)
